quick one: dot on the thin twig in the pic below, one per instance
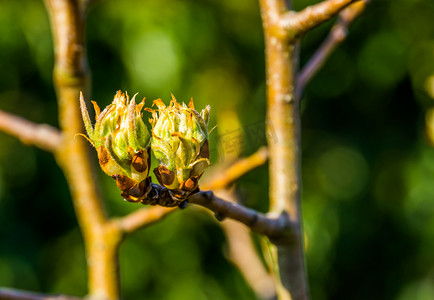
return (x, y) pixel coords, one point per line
(159, 195)
(142, 218)
(337, 35)
(14, 294)
(236, 170)
(297, 23)
(42, 136)
(259, 223)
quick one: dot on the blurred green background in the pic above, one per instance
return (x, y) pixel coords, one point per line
(368, 169)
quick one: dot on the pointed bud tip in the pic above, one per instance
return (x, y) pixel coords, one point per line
(191, 104)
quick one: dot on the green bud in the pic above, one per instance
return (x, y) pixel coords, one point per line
(180, 143)
(121, 140)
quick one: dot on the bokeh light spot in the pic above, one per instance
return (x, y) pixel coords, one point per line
(342, 172)
(382, 60)
(152, 60)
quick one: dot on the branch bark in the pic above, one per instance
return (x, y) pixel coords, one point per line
(14, 294)
(142, 218)
(273, 228)
(297, 23)
(337, 35)
(42, 136)
(282, 30)
(70, 77)
(284, 165)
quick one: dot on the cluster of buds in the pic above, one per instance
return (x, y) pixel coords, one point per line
(179, 141)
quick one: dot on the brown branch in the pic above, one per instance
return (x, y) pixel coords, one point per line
(236, 170)
(42, 136)
(337, 35)
(297, 23)
(14, 294)
(142, 218)
(259, 223)
(160, 195)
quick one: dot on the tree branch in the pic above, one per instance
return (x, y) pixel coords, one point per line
(337, 35)
(284, 146)
(14, 294)
(71, 76)
(159, 195)
(142, 218)
(236, 170)
(42, 136)
(259, 223)
(297, 23)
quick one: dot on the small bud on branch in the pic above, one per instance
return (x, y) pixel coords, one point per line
(180, 143)
(122, 142)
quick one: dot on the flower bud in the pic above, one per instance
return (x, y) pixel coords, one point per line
(122, 142)
(180, 143)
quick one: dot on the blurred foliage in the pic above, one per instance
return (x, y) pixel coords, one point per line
(368, 171)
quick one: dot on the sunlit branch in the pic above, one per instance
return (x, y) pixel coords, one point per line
(237, 169)
(297, 23)
(42, 136)
(284, 146)
(14, 294)
(71, 76)
(142, 218)
(337, 35)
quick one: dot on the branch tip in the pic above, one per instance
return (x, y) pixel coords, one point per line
(337, 35)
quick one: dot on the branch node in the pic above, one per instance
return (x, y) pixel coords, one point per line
(254, 220)
(301, 22)
(337, 35)
(219, 216)
(183, 204)
(209, 195)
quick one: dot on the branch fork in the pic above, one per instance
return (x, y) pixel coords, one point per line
(290, 25)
